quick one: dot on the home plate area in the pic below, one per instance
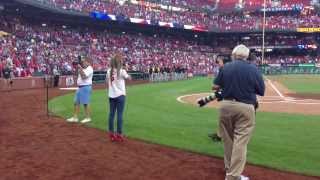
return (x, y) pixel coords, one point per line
(288, 100)
(275, 100)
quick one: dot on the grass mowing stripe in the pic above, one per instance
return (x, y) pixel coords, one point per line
(280, 140)
(300, 83)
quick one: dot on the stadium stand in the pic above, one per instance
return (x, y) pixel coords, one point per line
(219, 22)
(37, 49)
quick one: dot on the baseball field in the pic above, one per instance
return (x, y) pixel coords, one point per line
(287, 124)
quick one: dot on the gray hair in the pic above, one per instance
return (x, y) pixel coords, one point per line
(241, 52)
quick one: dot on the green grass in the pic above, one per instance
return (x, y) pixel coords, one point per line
(282, 141)
(300, 83)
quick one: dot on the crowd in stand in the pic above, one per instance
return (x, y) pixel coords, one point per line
(286, 59)
(41, 49)
(188, 3)
(254, 22)
(199, 4)
(230, 4)
(134, 11)
(227, 22)
(282, 41)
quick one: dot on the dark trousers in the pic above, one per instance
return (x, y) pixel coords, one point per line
(116, 105)
(56, 81)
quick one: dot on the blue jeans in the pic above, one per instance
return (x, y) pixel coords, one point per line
(116, 104)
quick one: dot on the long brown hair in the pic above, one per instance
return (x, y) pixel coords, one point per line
(116, 64)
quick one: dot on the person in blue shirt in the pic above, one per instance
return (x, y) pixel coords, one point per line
(220, 61)
(241, 81)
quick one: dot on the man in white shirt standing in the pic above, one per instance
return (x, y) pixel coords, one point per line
(83, 94)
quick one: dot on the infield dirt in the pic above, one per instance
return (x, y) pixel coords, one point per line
(291, 102)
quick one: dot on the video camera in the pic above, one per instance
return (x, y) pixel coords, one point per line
(205, 100)
(225, 58)
(76, 63)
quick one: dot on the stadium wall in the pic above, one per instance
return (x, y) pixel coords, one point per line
(30, 83)
(40, 82)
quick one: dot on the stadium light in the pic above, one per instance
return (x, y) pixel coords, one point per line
(44, 25)
(263, 32)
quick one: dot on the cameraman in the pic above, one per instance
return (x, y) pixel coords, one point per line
(220, 61)
(240, 81)
(83, 94)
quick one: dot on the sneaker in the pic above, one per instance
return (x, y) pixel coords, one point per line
(112, 136)
(244, 177)
(120, 138)
(215, 137)
(72, 119)
(86, 120)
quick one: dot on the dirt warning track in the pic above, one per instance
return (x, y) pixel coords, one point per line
(34, 147)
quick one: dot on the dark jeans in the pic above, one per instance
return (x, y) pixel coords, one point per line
(116, 104)
(56, 81)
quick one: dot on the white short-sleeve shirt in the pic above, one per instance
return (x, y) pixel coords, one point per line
(116, 84)
(88, 71)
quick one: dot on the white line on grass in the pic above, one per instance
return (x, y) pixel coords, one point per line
(69, 89)
(275, 88)
(188, 95)
(264, 100)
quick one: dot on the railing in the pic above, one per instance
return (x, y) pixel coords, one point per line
(100, 76)
(273, 70)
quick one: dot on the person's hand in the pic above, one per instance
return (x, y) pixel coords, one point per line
(215, 87)
(79, 66)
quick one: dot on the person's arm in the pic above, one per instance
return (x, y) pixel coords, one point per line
(215, 87)
(125, 75)
(259, 85)
(81, 72)
(217, 83)
(85, 73)
(107, 78)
